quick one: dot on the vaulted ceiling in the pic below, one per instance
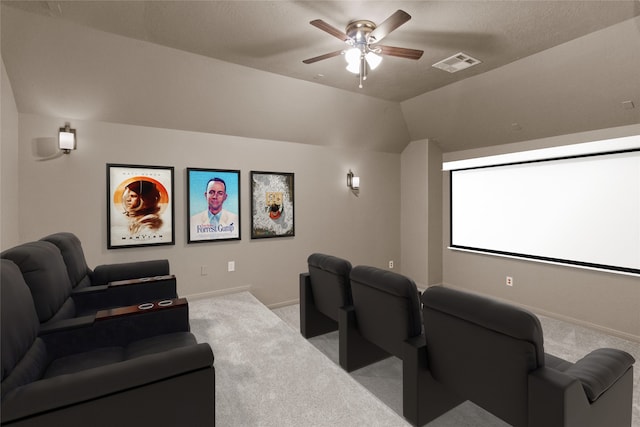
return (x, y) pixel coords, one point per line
(500, 100)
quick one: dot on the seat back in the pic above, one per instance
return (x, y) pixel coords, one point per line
(73, 255)
(482, 349)
(23, 354)
(387, 307)
(329, 283)
(45, 273)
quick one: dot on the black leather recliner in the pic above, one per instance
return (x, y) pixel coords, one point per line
(323, 290)
(492, 353)
(57, 304)
(154, 273)
(139, 369)
(385, 321)
(384, 314)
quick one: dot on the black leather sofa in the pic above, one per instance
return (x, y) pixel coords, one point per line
(492, 353)
(140, 368)
(154, 273)
(323, 290)
(58, 304)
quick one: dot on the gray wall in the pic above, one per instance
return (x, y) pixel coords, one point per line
(9, 185)
(421, 212)
(414, 212)
(602, 300)
(68, 193)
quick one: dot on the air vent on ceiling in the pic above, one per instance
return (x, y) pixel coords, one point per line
(457, 62)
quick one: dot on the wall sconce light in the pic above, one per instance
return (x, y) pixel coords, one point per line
(353, 182)
(67, 139)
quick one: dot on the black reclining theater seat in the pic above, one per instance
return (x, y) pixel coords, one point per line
(132, 370)
(385, 321)
(385, 313)
(57, 304)
(492, 353)
(323, 290)
(154, 273)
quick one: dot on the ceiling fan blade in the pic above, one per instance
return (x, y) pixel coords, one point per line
(319, 23)
(390, 24)
(401, 52)
(321, 57)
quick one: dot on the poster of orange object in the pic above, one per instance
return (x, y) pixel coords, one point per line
(140, 208)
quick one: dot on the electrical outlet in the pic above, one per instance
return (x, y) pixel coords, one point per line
(231, 266)
(391, 264)
(509, 281)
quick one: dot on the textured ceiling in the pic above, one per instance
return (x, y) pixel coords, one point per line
(548, 68)
(275, 36)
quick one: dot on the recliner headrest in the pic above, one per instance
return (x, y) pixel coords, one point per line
(385, 281)
(330, 263)
(45, 273)
(71, 249)
(489, 313)
(375, 291)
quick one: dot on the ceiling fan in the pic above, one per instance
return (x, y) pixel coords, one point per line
(362, 37)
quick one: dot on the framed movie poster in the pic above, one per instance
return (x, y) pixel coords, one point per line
(272, 213)
(213, 205)
(140, 208)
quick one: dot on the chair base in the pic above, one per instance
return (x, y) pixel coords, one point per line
(423, 398)
(355, 350)
(312, 322)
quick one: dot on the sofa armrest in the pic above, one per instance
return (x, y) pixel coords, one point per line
(142, 280)
(143, 308)
(599, 370)
(119, 327)
(556, 398)
(68, 390)
(67, 324)
(124, 293)
(104, 274)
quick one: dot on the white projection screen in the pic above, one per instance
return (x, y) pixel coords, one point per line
(581, 210)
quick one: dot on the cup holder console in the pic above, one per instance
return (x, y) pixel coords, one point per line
(144, 307)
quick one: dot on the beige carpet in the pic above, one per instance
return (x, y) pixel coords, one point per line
(267, 374)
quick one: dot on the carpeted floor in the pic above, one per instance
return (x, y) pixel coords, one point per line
(267, 374)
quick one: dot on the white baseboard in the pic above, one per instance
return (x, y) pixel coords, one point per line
(236, 290)
(218, 293)
(283, 304)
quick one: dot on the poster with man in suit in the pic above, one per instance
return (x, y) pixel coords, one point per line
(214, 204)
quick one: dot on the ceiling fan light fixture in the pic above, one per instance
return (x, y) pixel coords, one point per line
(373, 60)
(362, 36)
(352, 56)
(354, 68)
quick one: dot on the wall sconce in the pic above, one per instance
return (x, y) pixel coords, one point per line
(67, 139)
(353, 182)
